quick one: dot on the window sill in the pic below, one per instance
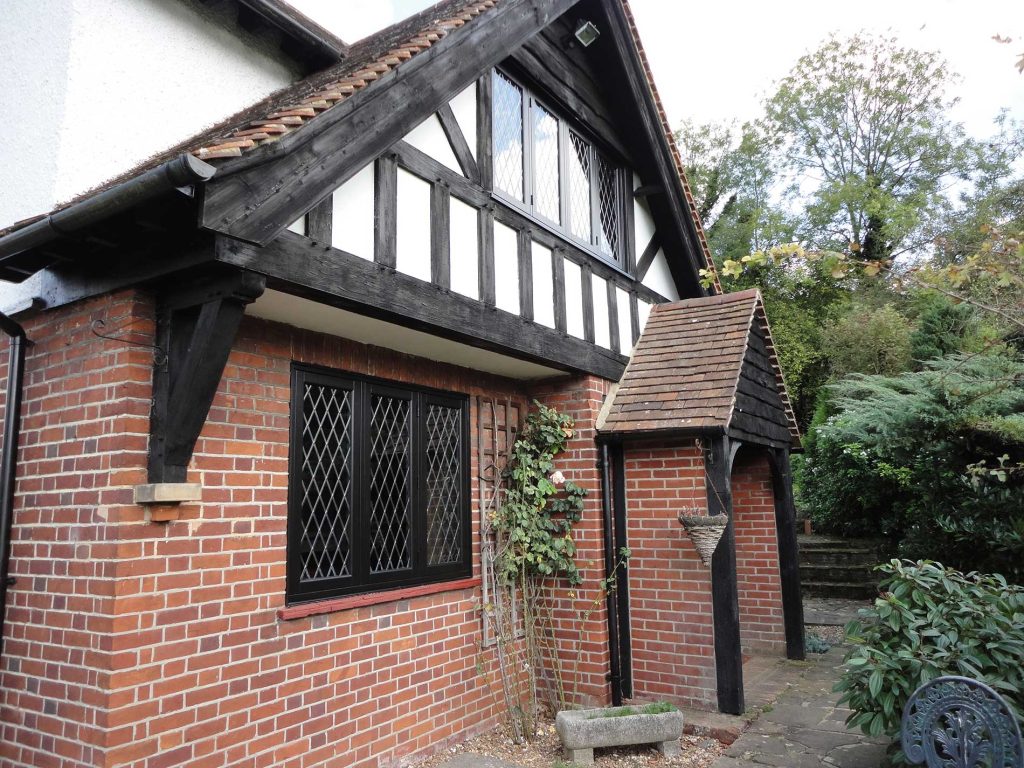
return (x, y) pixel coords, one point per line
(373, 598)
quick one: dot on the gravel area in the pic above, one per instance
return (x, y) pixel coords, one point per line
(546, 752)
(831, 634)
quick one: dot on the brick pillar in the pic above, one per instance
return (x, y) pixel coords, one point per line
(581, 615)
(757, 553)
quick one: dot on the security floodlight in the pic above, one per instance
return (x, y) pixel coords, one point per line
(586, 33)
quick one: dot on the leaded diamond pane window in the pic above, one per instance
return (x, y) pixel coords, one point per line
(608, 208)
(579, 188)
(325, 546)
(444, 485)
(546, 198)
(551, 171)
(390, 483)
(378, 486)
(508, 136)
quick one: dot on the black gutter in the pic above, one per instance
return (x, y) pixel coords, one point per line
(614, 675)
(317, 44)
(9, 462)
(182, 171)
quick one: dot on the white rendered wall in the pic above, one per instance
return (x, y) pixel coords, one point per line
(429, 138)
(352, 215)
(543, 286)
(643, 312)
(506, 268)
(602, 325)
(98, 86)
(465, 250)
(412, 248)
(659, 278)
(464, 108)
(642, 220)
(625, 321)
(574, 300)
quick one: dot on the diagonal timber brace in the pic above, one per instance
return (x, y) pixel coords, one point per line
(196, 328)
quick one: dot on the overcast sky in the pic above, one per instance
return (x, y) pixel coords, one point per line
(716, 60)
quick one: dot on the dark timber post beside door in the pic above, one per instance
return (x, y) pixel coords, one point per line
(724, 592)
(789, 560)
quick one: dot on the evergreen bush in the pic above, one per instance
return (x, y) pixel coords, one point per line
(930, 459)
(931, 621)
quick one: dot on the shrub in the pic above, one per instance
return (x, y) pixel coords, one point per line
(929, 459)
(931, 621)
(873, 341)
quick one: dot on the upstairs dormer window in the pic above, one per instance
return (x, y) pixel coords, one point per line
(554, 173)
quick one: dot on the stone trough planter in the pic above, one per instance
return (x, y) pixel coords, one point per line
(581, 730)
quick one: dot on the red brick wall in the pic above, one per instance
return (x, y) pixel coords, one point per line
(757, 554)
(138, 644)
(580, 615)
(669, 588)
(83, 441)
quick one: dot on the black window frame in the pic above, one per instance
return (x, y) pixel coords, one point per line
(362, 580)
(597, 155)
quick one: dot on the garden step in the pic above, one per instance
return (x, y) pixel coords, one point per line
(817, 541)
(858, 590)
(845, 573)
(859, 556)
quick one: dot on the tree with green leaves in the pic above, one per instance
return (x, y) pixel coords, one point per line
(732, 176)
(862, 127)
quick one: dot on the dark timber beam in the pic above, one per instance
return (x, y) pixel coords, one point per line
(685, 271)
(297, 265)
(724, 590)
(789, 556)
(458, 143)
(196, 328)
(256, 197)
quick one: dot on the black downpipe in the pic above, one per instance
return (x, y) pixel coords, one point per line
(618, 460)
(614, 676)
(9, 462)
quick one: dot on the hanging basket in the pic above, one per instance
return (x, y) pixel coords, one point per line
(705, 531)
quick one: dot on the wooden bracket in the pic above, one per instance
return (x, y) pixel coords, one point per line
(196, 326)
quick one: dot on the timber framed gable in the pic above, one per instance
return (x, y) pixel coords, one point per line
(383, 168)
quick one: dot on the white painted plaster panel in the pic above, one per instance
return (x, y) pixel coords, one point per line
(625, 321)
(506, 268)
(298, 226)
(543, 286)
(464, 108)
(465, 250)
(574, 300)
(428, 137)
(352, 218)
(643, 311)
(643, 225)
(602, 326)
(302, 313)
(659, 278)
(412, 251)
(147, 74)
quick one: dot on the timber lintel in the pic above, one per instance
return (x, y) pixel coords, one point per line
(196, 328)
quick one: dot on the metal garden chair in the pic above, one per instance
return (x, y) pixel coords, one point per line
(956, 722)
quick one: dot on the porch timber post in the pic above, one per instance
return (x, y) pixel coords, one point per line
(789, 558)
(724, 591)
(196, 328)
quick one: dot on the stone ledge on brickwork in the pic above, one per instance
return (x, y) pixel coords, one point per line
(162, 499)
(168, 493)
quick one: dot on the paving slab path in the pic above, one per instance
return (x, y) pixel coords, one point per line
(805, 728)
